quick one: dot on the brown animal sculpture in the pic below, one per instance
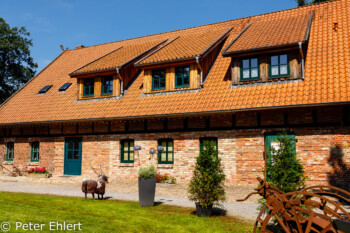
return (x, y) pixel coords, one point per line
(95, 186)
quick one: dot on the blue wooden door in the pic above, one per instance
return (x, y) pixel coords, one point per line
(72, 156)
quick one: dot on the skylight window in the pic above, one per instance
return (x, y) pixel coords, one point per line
(65, 87)
(45, 89)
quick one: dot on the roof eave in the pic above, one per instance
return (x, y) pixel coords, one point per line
(176, 114)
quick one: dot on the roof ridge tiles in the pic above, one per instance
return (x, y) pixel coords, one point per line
(209, 24)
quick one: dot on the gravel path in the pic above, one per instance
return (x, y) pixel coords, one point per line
(241, 210)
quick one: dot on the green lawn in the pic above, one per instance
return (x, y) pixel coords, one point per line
(108, 215)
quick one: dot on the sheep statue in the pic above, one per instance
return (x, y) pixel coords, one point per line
(95, 186)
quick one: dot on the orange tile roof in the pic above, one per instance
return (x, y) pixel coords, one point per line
(271, 32)
(327, 76)
(118, 57)
(185, 46)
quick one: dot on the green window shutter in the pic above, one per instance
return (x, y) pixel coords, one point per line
(10, 151)
(158, 79)
(182, 76)
(279, 66)
(250, 69)
(34, 154)
(167, 155)
(127, 151)
(212, 140)
(88, 88)
(107, 85)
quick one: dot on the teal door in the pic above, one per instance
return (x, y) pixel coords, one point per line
(72, 156)
(272, 142)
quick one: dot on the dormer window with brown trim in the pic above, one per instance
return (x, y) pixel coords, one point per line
(183, 62)
(268, 57)
(110, 75)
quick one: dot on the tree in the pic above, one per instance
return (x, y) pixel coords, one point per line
(16, 65)
(206, 186)
(307, 2)
(285, 172)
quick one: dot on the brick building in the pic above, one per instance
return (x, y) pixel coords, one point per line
(237, 83)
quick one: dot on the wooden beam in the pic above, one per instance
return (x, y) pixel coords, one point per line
(207, 122)
(127, 125)
(93, 127)
(314, 116)
(323, 124)
(109, 126)
(165, 123)
(258, 119)
(233, 119)
(62, 129)
(77, 128)
(345, 120)
(145, 125)
(185, 123)
(285, 118)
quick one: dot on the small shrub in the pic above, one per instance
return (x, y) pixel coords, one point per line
(147, 172)
(206, 186)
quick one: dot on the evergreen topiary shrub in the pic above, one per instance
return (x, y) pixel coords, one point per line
(206, 185)
(285, 171)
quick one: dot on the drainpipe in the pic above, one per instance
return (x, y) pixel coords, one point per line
(200, 69)
(302, 60)
(121, 82)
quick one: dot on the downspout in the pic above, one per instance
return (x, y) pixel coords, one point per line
(302, 60)
(200, 69)
(121, 82)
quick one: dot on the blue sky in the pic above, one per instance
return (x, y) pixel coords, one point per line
(87, 22)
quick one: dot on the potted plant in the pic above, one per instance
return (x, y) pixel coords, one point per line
(147, 185)
(206, 185)
(39, 172)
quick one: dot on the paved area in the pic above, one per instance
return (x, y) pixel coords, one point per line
(241, 210)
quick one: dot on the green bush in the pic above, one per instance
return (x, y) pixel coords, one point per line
(147, 172)
(206, 186)
(285, 172)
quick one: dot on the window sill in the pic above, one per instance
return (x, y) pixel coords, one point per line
(275, 77)
(251, 79)
(33, 163)
(165, 166)
(101, 98)
(127, 164)
(8, 162)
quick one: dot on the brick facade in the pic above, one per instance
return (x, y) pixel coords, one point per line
(324, 150)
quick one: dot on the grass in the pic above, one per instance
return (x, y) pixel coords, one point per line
(109, 215)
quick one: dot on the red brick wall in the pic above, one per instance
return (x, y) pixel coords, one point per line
(323, 150)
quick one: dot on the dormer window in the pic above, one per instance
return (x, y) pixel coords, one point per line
(182, 76)
(250, 69)
(89, 87)
(279, 66)
(158, 79)
(107, 85)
